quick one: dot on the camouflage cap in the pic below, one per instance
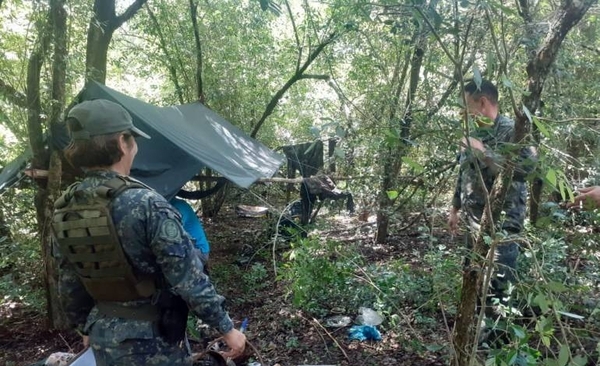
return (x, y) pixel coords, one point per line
(102, 117)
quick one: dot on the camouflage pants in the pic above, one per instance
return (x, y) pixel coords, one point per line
(114, 351)
(504, 273)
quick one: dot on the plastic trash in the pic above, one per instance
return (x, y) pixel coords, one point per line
(368, 316)
(338, 321)
(364, 333)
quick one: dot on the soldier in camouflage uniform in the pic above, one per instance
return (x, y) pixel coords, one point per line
(486, 150)
(153, 240)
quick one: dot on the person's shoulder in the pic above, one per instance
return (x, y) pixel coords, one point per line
(506, 122)
(140, 195)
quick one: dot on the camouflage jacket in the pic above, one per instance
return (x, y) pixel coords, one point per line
(470, 193)
(155, 242)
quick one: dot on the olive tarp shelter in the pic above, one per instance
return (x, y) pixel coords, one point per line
(184, 139)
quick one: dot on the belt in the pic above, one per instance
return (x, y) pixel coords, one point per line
(144, 312)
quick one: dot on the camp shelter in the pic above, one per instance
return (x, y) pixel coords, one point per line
(184, 139)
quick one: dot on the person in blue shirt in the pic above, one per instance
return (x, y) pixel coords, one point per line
(193, 225)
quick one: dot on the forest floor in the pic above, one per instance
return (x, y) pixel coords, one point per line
(282, 334)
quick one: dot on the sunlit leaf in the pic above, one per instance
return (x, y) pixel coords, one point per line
(579, 360)
(518, 331)
(551, 177)
(542, 302)
(541, 127)
(413, 164)
(557, 286)
(563, 356)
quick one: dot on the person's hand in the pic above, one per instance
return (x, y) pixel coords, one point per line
(453, 221)
(588, 194)
(473, 142)
(86, 341)
(236, 341)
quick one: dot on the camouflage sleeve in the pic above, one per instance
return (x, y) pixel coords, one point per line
(74, 299)
(496, 148)
(526, 162)
(182, 268)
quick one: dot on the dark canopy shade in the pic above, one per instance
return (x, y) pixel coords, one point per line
(185, 139)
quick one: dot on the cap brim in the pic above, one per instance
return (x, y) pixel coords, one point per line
(139, 133)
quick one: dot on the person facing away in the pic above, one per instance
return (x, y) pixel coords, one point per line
(486, 150)
(192, 225)
(128, 289)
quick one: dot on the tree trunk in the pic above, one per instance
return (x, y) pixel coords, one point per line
(393, 161)
(36, 140)
(102, 26)
(199, 83)
(59, 66)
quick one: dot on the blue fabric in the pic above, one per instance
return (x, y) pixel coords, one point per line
(364, 333)
(191, 224)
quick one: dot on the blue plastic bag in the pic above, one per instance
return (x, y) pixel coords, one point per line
(364, 333)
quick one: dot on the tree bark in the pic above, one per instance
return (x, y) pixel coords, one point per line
(102, 26)
(58, 17)
(35, 121)
(394, 159)
(199, 84)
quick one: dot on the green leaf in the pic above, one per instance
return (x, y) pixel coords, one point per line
(527, 113)
(546, 341)
(557, 286)
(542, 302)
(563, 355)
(579, 361)
(413, 164)
(392, 195)
(518, 331)
(551, 177)
(563, 189)
(434, 347)
(508, 10)
(507, 83)
(541, 127)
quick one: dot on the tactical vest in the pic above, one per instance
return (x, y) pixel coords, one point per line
(86, 235)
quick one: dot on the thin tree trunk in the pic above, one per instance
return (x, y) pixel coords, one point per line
(59, 67)
(199, 83)
(393, 161)
(36, 137)
(102, 26)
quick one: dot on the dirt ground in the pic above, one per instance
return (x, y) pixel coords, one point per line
(281, 334)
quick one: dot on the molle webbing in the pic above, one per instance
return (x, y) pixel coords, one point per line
(87, 237)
